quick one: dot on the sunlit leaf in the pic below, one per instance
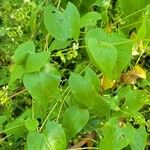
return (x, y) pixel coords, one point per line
(91, 76)
(89, 19)
(43, 85)
(116, 137)
(54, 136)
(22, 51)
(35, 141)
(139, 141)
(31, 124)
(100, 53)
(36, 61)
(16, 73)
(132, 17)
(121, 54)
(62, 25)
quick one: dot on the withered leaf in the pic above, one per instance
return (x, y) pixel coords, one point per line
(132, 75)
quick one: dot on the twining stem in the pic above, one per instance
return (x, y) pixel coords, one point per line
(48, 116)
(18, 93)
(58, 5)
(134, 13)
(68, 89)
(11, 128)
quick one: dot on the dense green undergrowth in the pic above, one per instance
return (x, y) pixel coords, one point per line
(74, 74)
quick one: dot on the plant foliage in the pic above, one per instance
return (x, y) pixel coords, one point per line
(74, 74)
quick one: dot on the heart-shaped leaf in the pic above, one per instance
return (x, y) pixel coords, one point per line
(104, 55)
(43, 85)
(74, 120)
(62, 25)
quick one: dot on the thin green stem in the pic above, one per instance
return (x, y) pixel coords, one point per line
(67, 49)
(5, 138)
(145, 111)
(18, 93)
(58, 5)
(67, 89)
(139, 57)
(83, 148)
(50, 112)
(118, 43)
(32, 109)
(129, 25)
(11, 128)
(134, 13)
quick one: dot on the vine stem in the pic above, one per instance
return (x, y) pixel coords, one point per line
(18, 93)
(48, 116)
(129, 25)
(58, 5)
(1, 140)
(62, 103)
(84, 148)
(139, 58)
(32, 108)
(46, 42)
(66, 49)
(11, 128)
(67, 95)
(131, 14)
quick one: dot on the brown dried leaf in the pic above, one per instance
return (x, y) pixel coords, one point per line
(131, 76)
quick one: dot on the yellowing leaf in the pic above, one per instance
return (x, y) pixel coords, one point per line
(106, 83)
(139, 72)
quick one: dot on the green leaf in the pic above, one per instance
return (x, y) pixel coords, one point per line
(82, 90)
(31, 124)
(140, 139)
(76, 2)
(100, 53)
(54, 136)
(91, 76)
(22, 51)
(35, 141)
(56, 45)
(2, 120)
(35, 61)
(85, 94)
(17, 126)
(74, 120)
(136, 97)
(16, 73)
(33, 20)
(147, 36)
(142, 30)
(131, 14)
(27, 60)
(124, 51)
(89, 19)
(114, 136)
(124, 136)
(62, 25)
(106, 142)
(101, 106)
(123, 47)
(43, 85)
(85, 6)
